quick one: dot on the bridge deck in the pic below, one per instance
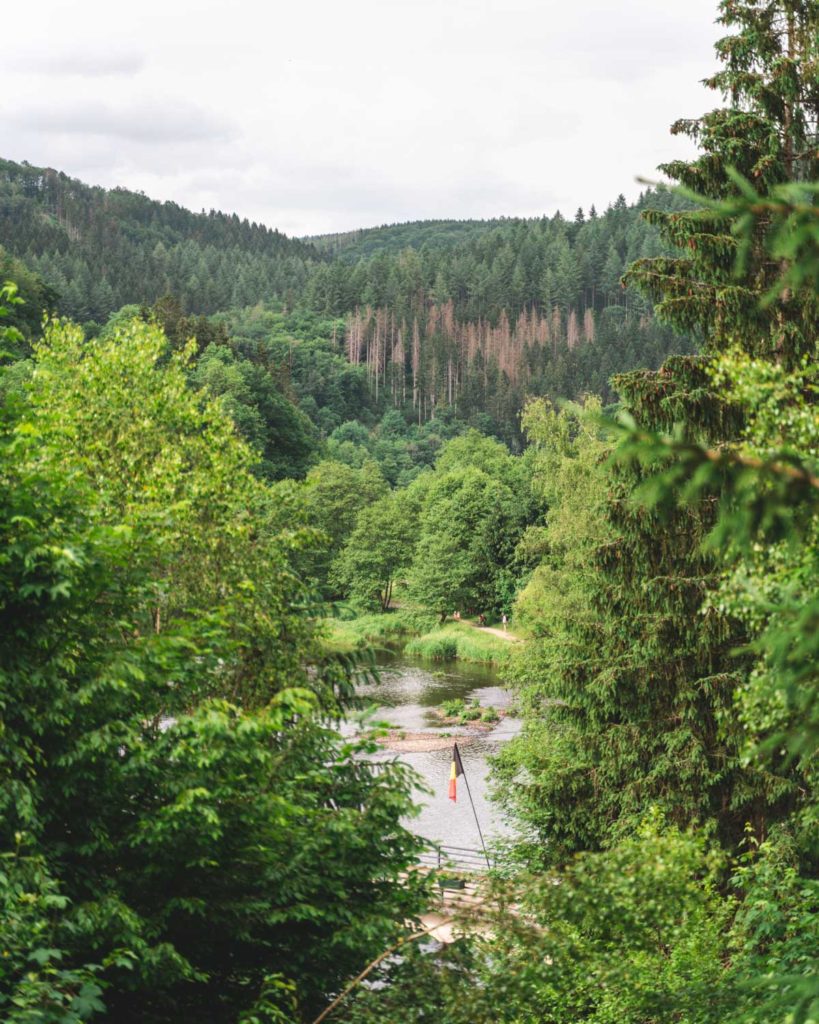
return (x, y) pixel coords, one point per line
(462, 888)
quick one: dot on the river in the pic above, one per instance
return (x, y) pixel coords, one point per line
(406, 696)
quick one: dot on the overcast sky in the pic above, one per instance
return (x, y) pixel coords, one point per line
(322, 115)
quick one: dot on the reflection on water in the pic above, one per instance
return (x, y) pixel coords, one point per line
(405, 697)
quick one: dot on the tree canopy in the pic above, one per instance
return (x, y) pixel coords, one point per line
(181, 833)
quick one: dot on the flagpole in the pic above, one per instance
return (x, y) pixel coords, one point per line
(474, 812)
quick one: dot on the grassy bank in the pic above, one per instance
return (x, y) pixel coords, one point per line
(419, 635)
(459, 640)
(385, 631)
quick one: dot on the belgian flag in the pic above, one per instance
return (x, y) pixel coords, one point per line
(455, 769)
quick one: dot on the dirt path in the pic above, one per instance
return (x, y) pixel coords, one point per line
(502, 633)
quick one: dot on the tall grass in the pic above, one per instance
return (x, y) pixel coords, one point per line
(418, 635)
(459, 640)
(389, 630)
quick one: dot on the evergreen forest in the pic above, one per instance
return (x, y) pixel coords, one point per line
(462, 323)
(238, 470)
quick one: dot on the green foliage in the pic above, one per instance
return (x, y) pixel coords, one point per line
(36, 300)
(35, 982)
(567, 453)
(527, 307)
(489, 269)
(642, 932)
(402, 451)
(768, 521)
(383, 630)
(302, 351)
(791, 230)
(9, 335)
(469, 524)
(271, 424)
(437, 646)
(776, 932)
(253, 388)
(683, 669)
(334, 496)
(766, 137)
(766, 535)
(416, 632)
(450, 534)
(633, 697)
(377, 552)
(469, 712)
(630, 936)
(620, 686)
(172, 469)
(453, 708)
(180, 835)
(397, 238)
(544, 295)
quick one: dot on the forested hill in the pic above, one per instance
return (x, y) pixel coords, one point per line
(486, 267)
(394, 238)
(100, 249)
(467, 317)
(512, 307)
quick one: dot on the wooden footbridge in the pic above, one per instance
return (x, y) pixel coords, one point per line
(462, 883)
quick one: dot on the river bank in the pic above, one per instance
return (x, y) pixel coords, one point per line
(420, 635)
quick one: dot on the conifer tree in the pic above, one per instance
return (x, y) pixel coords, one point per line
(638, 701)
(768, 135)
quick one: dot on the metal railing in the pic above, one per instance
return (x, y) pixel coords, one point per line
(459, 858)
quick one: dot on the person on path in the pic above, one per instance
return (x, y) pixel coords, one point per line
(504, 620)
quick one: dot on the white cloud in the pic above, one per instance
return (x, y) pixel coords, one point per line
(156, 122)
(324, 116)
(82, 62)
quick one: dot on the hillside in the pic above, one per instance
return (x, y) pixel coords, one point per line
(512, 308)
(394, 238)
(100, 249)
(460, 318)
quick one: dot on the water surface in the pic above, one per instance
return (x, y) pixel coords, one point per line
(406, 696)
